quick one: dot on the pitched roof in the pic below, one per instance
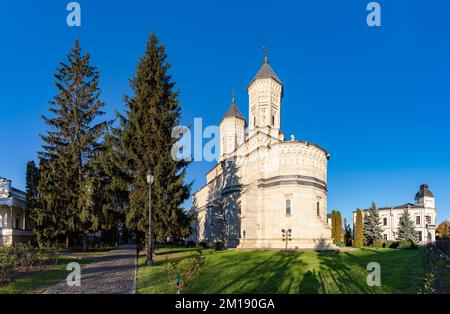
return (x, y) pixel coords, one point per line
(234, 111)
(266, 71)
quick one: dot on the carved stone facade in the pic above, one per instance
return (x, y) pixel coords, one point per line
(264, 192)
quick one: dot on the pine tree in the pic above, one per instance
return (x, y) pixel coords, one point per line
(372, 225)
(152, 113)
(406, 229)
(73, 141)
(359, 232)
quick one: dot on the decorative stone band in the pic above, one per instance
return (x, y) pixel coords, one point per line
(292, 180)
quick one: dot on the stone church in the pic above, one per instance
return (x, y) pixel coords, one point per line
(265, 191)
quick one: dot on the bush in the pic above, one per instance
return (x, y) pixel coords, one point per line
(11, 257)
(407, 244)
(219, 246)
(203, 245)
(378, 243)
(190, 243)
(390, 244)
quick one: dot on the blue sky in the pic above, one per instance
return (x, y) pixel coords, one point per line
(376, 98)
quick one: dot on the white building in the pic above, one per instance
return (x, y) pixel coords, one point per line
(423, 213)
(264, 189)
(14, 225)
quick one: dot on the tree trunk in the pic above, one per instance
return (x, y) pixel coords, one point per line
(67, 240)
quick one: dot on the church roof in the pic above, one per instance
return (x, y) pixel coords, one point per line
(266, 71)
(234, 111)
(424, 191)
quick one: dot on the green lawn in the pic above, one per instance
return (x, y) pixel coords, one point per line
(39, 281)
(291, 272)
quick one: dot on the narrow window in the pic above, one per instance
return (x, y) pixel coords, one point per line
(385, 237)
(273, 120)
(417, 220)
(288, 207)
(384, 221)
(318, 209)
(254, 121)
(428, 219)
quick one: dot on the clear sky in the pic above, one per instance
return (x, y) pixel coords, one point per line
(377, 99)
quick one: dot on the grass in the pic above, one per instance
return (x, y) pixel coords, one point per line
(36, 282)
(235, 271)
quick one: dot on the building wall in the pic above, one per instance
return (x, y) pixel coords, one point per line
(389, 220)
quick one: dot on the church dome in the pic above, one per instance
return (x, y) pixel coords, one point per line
(424, 191)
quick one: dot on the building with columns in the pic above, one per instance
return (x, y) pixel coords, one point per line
(265, 191)
(422, 212)
(14, 224)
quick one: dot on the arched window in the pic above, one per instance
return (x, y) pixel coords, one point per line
(288, 207)
(318, 209)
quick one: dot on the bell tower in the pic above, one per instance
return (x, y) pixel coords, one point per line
(232, 131)
(265, 94)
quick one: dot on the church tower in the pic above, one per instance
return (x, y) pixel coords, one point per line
(424, 197)
(232, 131)
(265, 93)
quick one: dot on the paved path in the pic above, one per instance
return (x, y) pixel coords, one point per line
(112, 273)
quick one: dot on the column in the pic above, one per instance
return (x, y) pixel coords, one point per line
(24, 221)
(11, 217)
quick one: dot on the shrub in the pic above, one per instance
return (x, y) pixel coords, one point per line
(378, 243)
(203, 245)
(391, 244)
(219, 246)
(190, 243)
(435, 271)
(11, 257)
(407, 244)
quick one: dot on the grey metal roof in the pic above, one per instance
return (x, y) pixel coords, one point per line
(266, 71)
(424, 191)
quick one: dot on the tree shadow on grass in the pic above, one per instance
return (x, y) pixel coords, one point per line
(268, 274)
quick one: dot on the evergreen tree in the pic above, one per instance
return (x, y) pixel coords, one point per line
(32, 180)
(348, 238)
(338, 228)
(67, 185)
(152, 113)
(406, 229)
(333, 226)
(372, 225)
(359, 232)
(445, 234)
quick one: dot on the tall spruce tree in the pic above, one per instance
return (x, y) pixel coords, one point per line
(32, 180)
(406, 229)
(372, 225)
(152, 113)
(359, 232)
(73, 141)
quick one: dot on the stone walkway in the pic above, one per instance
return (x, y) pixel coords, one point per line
(112, 273)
